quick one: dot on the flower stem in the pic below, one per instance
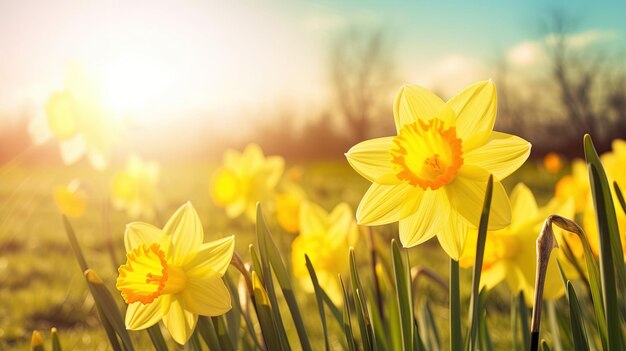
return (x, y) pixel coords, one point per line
(456, 339)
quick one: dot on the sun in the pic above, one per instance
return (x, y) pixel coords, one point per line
(133, 86)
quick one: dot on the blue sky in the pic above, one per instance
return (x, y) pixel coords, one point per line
(167, 59)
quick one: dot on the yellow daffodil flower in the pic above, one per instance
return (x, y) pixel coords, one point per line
(135, 188)
(326, 239)
(552, 162)
(510, 253)
(575, 185)
(432, 176)
(70, 199)
(288, 204)
(244, 179)
(170, 274)
(78, 119)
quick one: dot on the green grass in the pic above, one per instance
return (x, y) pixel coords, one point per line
(41, 285)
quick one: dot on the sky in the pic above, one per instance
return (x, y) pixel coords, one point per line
(233, 61)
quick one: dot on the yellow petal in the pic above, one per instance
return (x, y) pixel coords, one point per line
(138, 233)
(313, 219)
(493, 276)
(414, 102)
(70, 202)
(467, 194)
(523, 205)
(140, 316)
(179, 321)
(213, 256)
(427, 221)
(452, 237)
(384, 204)
(502, 155)
(372, 160)
(186, 231)
(61, 112)
(274, 167)
(475, 108)
(224, 187)
(73, 149)
(208, 296)
(341, 220)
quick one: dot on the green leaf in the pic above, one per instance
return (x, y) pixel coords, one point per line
(473, 316)
(581, 342)
(157, 338)
(107, 304)
(347, 320)
(365, 324)
(620, 196)
(523, 316)
(318, 297)
(545, 346)
(56, 343)
(207, 331)
(456, 336)
(403, 296)
(265, 315)
(270, 255)
(222, 333)
(611, 254)
(428, 327)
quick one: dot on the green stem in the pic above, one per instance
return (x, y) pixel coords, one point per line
(456, 339)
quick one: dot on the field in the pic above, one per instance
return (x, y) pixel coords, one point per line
(42, 286)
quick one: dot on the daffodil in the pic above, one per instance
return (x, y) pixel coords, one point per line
(70, 199)
(171, 275)
(325, 238)
(432, 176)
(135, 188)
(288, 204)
(552, 162)
(244, 179)
(510, 254)
(575, 186)
(77, 118)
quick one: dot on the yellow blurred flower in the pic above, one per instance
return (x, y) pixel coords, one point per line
(244, 179)
(78, 119)
(172, 275)
(288, 207)
(432, 176)
(575, 185)
(70, 199)
(326, 239)
(510, 253)
(135, 188)
(552, 162)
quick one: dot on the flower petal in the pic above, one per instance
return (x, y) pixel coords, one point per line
(372, 160)
(501, 155)
(186, 230)
(495, 274)
(73, 149)
(313, 219)
(452, 238)
(214, 256)
(414, 102)
(384, 204)
(138, 233)
(140, 316)
(207, 296)
(179, 321)
(467, 194)
(523, 205)
(426, 222)
(341, 222)
(475, 108)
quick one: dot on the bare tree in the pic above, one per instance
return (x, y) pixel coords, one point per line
(362, 75)
(591, 87)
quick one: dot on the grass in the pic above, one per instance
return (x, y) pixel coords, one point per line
(41, 285)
